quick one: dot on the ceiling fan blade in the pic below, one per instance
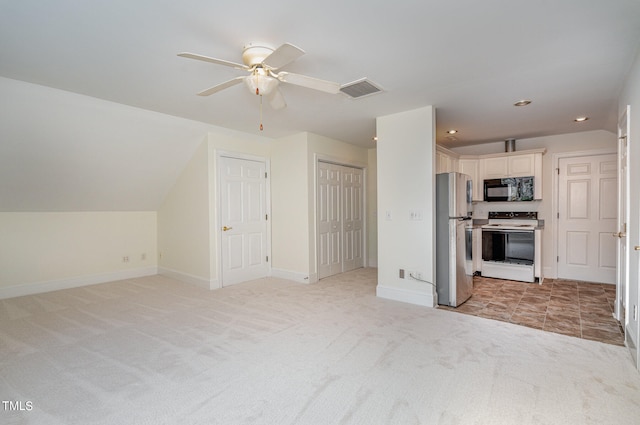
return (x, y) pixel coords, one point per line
(282, 56)
(276, 100)
(212, 60)
(221, 86)
(309, 82)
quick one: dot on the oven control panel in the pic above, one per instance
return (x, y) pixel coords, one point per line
(527, 215)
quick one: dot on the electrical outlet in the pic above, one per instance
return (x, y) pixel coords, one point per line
(125, 259)
(401, 274)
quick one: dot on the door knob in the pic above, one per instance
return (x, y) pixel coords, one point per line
(619, 235)
(637, 248)
(225, 228)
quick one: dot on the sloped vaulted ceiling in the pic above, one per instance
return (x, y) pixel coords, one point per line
(61, 151)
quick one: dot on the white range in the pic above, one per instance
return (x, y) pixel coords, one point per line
(511, 246)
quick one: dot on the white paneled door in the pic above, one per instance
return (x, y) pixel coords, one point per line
(243, 219)
(352, 220)
(340, 219)
(588, 208)
(329, 223)
(623, 194)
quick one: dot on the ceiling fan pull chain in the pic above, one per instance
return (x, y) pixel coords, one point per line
(261, 128)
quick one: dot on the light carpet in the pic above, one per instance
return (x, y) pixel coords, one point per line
(157, 351)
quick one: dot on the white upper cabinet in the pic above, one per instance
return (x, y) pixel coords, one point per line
(501, 165)
(518, 165)
(522, 165)
(495, 168)
(446, 160)
(471, 167)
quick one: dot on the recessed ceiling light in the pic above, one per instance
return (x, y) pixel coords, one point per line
(523, 102)
(581, 119)
(452, 131)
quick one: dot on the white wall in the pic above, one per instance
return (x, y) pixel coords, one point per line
(46, 251)
(631, 96)
(574, 142)
(290, 208)
(372, 208)
(406, 164)
(183, 224)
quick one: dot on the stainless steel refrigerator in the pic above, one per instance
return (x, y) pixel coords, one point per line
(454, 265)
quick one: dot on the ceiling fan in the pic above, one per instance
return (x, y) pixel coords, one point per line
(262, 62)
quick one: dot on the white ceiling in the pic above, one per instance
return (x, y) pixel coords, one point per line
(470, 59)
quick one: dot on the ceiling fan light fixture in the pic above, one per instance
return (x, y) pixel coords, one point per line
(260, 83)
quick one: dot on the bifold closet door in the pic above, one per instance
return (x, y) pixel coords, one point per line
(340, 219)
(329, 223)
(352, 219)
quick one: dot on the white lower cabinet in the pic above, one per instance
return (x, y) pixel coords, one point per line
(537, 262)
(477, 249)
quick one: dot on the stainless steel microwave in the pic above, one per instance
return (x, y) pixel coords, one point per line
(509, 189)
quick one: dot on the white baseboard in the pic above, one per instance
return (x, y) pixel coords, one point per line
(74, 282)
(549, 272)
(631, 344)
(406, 296)
(373, 263)
(189, 278)
(294, 276)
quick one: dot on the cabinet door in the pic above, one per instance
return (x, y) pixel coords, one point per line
(444, 163)
(471, 167)
(477, 250)
(440, 158)
(495, 168)
(521, 165)
(453, 165)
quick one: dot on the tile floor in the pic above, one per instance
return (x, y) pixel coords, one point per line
(579, 309)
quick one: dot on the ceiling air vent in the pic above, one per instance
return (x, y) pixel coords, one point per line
(360, 88)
